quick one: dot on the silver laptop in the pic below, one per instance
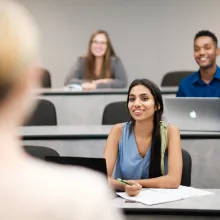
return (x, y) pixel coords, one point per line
(193, 114)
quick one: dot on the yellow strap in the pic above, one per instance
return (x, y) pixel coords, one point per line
(163, 134)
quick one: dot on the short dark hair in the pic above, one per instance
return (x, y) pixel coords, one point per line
(206, 33)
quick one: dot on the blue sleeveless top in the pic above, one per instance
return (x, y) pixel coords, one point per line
(130, 165)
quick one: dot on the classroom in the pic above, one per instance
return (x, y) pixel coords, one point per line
(126, 92)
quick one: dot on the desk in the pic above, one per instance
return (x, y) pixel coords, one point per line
(89, 141)
(86, 107)
(92, 131)
(204, 207)
(66, 91)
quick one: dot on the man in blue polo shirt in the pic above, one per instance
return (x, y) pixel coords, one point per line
(205, 82)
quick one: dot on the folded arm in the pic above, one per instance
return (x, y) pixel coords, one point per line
(75, 75)
(120, 77)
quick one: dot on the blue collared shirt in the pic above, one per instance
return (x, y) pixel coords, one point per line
(193, 86)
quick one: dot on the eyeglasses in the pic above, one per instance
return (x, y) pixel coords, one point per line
(99, 42)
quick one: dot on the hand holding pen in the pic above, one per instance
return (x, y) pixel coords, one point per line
(132, 188)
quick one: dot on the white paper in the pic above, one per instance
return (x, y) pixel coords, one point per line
(150, 197)
(154, 196)
(184, 192)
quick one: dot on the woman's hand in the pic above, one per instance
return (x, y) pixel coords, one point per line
(89, 86)
(134, 189)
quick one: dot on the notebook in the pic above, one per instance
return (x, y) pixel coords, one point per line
(154, 196)
(193, 114)
(97, 164)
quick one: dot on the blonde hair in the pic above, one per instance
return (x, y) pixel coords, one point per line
(19, 44)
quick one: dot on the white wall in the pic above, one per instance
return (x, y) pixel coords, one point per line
(151, 36)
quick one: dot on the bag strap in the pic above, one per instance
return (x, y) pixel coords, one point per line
(164, 142)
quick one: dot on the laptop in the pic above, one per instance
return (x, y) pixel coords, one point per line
(96, 164)
(193, 114)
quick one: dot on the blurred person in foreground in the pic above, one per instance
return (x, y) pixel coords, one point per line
(31, 189)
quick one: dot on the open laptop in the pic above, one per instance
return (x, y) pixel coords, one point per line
(193, 114)
(96, 164)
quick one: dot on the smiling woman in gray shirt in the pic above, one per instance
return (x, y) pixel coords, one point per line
(100, 68)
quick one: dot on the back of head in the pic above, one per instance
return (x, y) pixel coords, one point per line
(18, 45)
(27, 199)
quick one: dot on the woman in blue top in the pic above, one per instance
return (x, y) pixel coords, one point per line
(145, 150)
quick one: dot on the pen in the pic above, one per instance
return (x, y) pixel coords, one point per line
(125, 182)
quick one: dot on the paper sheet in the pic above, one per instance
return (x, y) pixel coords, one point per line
(154, 196)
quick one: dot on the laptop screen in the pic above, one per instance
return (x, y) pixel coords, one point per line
(96, 164)
(193, 114)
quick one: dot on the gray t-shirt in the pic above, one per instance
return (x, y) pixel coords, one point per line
(119, 76)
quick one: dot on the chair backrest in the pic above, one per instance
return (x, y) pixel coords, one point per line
(114, 113)
(187, 168)
(174, 78)
(46, 79)
(44, 114)
(40, 152)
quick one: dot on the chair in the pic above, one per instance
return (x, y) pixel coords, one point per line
(187, 168)
(174, 78)
(46, 79)
(44, 114)
(114, 113)
(40, 152)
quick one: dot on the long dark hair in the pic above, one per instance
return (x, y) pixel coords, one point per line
(155, 159)
(90, 58)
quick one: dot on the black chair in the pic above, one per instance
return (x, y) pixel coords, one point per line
(187, 168)
(174, 78)
(40, 152)
(46, 79)
(114, 113)
(44, 114)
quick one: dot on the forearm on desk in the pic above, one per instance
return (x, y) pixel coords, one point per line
(116, 184)
(160, 182)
